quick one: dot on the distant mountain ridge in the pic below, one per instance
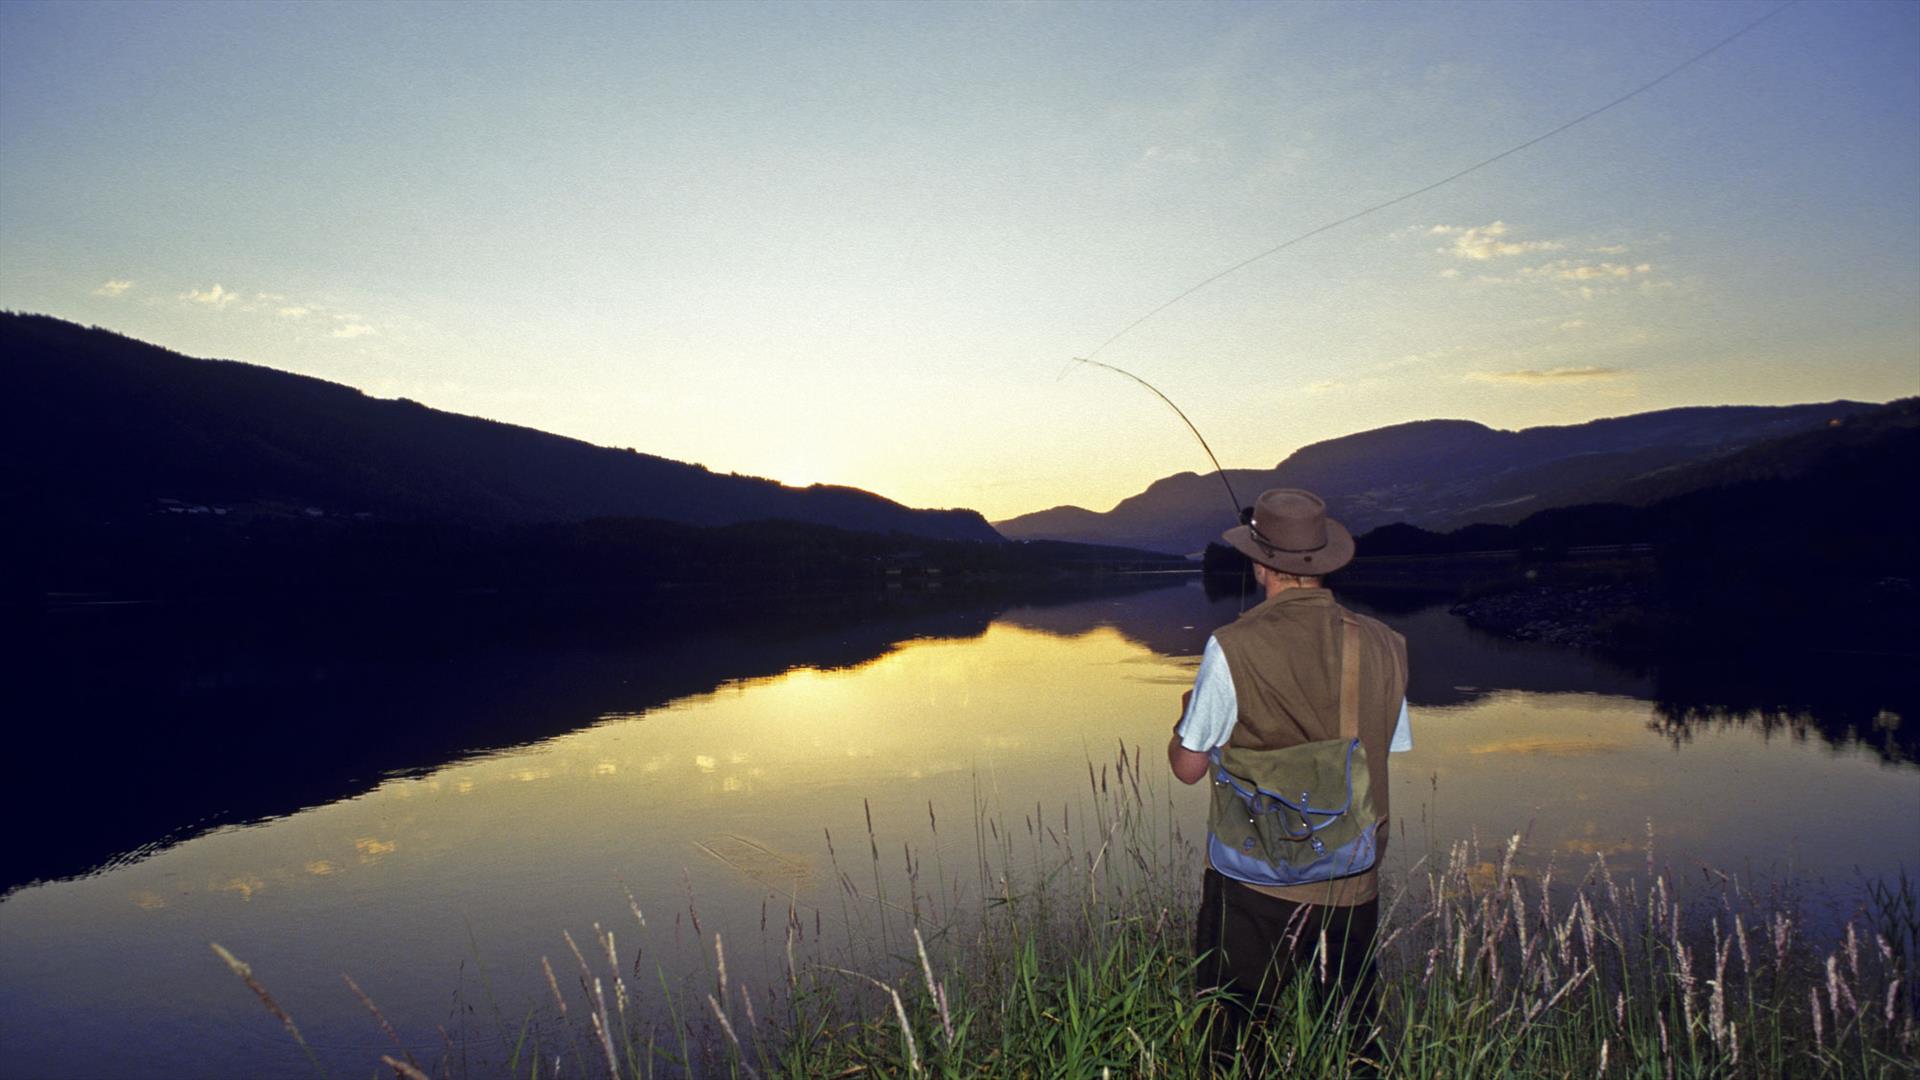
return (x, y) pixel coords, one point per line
(1445, 474)
(101, 423)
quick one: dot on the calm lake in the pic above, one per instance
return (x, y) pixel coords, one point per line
(427, 810)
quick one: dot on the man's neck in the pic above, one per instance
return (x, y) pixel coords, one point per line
(1278, 585)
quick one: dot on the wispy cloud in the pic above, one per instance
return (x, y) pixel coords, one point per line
(1586, 276)
(1483, 242)
(1575, 278)
(113, 288)
(1533, 377)
(320, 317)
(1570, 270)
(215, 297)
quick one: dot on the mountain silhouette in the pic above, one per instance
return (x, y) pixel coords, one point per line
(1444, 474)
(103, 427)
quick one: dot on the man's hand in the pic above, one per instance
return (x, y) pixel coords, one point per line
(1188, 765)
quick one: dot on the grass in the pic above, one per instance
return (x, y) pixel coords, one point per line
(1064, 950)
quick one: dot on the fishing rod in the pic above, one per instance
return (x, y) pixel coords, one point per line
(1242, 514)
(1377, 207)
(1218, 471)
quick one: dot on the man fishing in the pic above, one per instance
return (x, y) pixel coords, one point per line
(1293, 713)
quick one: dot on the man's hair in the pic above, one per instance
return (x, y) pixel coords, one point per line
(1311, 581)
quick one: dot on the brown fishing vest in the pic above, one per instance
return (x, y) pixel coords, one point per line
(1284, 655)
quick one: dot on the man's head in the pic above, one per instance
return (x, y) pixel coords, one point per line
(1287, 530)
(1272, 581)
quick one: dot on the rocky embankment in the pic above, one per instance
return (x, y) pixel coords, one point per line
(1587, 616)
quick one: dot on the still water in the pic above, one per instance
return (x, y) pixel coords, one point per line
(703, 773)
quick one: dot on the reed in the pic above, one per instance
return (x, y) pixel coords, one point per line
(1067, 953)
(1082, 967)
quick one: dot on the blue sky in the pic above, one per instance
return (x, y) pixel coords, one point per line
(860, 243)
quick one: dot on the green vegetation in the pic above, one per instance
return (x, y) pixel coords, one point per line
(1078, 965)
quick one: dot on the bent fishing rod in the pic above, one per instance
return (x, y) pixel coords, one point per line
(1238, 511)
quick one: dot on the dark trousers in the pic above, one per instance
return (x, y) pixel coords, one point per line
(1253, 946)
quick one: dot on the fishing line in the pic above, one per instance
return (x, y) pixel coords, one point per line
(1443, 181)
(1222, 473)
(1376, 208)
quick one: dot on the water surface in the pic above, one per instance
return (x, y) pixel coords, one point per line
(703, 773)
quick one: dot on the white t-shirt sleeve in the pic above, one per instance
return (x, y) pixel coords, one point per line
(1212, 710)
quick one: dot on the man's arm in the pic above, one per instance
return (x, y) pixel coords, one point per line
(1188, 765)
(1207, 716)
(1401, 742)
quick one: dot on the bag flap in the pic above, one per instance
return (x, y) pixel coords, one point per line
(1312, 778)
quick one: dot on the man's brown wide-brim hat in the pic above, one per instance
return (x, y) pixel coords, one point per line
(1291, 532)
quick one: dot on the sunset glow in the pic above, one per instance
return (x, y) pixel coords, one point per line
(861, 244)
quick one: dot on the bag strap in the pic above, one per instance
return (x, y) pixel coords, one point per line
(1349, 676)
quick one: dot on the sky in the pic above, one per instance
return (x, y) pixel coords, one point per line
(863, 243)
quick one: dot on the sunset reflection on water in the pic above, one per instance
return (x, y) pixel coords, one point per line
(721, 806)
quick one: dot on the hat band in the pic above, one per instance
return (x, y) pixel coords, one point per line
(1267, 542)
